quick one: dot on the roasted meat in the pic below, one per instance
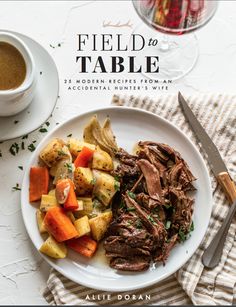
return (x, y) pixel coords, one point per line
(152, 212)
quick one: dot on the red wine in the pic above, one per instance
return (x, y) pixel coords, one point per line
(175, 16)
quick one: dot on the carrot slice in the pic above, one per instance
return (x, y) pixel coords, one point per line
(65, 194)
(39, 182)
(71, 202)
(84, 157)
(59, 225)
(83, 245)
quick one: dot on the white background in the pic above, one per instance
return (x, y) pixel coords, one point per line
(23, 274)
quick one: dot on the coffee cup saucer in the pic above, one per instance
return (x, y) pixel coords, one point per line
(45, 98)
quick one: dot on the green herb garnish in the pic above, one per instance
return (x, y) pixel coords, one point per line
(192, 227)
(139, 224)
(117, 178)
(129, 222)
(25, 137)
(131, 195)
(61, 152)
(93, 181)
(167, 225)
(14, 149)
(151, 220)
(131, 209)
(122, 205)
(43, 130)
(16, 187)
(117, 186)
(182, 235)
(20, 167)
(96, 204)
(69, 167)
(31, 147)
(69, 135)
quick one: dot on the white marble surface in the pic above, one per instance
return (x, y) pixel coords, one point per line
(23, 274)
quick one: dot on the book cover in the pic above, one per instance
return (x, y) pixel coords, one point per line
(117, 152)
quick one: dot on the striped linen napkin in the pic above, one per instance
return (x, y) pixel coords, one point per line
(192, 284)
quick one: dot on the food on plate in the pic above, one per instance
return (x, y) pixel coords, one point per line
(82, 226)
(84, 157)
(91, 191)
(55, 151)
(99, 225)
(40, 221)
(87, 206)
(75, 191)
(83, 245)
(102, 160)
(59, 225)
(83, 178)
(102, 136)
(106, 186)
(153, 211)
(65, 194)
(39, 180)
(53, 248)
(75, 146)
(47, 202)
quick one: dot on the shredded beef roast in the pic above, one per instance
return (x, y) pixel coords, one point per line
(152, 212)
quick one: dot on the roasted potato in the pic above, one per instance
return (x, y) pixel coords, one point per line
(53, 249)
(99, 225)
(105, 186)
(54, 151)
(82, 226)
(87, 206)
(52, 192)
(75, 146)
(83, 179)
(40, 217)
(102, 160)
(47, 202)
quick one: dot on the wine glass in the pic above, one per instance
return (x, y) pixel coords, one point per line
(175, 46)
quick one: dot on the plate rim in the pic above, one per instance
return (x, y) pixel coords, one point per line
(3, 139)
(114, 288)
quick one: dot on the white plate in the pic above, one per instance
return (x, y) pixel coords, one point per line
(45, 97)
(130, 126)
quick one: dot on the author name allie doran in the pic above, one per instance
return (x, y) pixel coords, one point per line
(119, 297)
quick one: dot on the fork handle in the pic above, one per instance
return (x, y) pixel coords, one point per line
(228, 185)
(212, 254)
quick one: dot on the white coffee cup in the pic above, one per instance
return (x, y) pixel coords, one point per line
(16, 100)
